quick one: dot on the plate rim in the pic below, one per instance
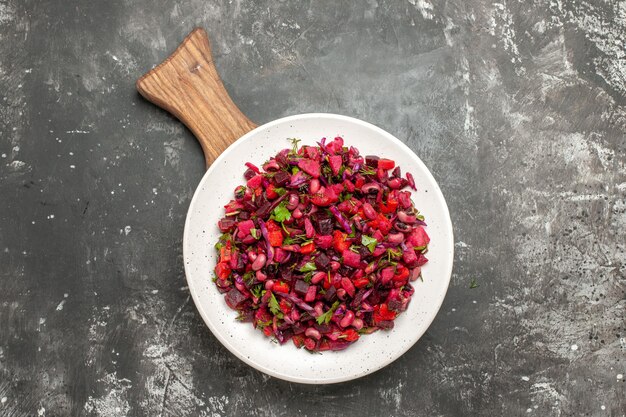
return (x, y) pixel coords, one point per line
(225, 342)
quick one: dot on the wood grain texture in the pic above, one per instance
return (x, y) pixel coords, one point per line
(187, 85)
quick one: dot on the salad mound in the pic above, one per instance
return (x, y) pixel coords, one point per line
(320, 246)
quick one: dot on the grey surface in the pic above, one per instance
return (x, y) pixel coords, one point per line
(517, 107)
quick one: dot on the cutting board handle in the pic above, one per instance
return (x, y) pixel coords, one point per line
(187, 85)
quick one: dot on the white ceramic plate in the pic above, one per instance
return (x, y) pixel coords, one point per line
(370, 352)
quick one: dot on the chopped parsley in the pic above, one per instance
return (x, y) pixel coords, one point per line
(275, 307)
(369, 242)
(325, 318)
(281, 213)
(308, 267)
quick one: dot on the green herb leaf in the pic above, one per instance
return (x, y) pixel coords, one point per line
(295, 170)
(369, 242)
(473, 284)
(294, 144)
(257, 290)
(344, 197)
(367, 170)
(263, 324)
(280, 191)
(255, 233)
(248, 278)
(326, 317)
(281, 213)
(393, 253)
(223, 240)
(274, 307)
(308, 267)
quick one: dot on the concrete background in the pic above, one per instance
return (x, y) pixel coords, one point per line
(518, 108)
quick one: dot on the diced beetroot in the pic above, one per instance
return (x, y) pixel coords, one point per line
(255, 182)
(372, 160)
(310, 166)
(281, 178)
(301, 287)
(233, 206)
(335, 146)
(298, 179)
(331, 293)
(234, 298)
(281, 256)
(323, 242)
(350, 207)
(322, 222)
(310, 294)
(409, 257)
(226, 224)
(345, 206)
(386, 274)
(325, 197)
(337, 188)
(415, 273)
(245, 227)
(379, 251)
(312, 152)
(351, 259)
(418, 237)
(322, 261)
(335, 163)
(248, 240)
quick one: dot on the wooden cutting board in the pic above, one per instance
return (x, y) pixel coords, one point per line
(187, 85)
